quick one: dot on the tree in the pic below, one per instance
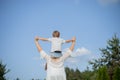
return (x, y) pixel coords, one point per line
(3, 71)
(88, 75)
(110, 56)
(77, 75)
(17, 78)
(73, 74)
(102, 73)
(116, 74)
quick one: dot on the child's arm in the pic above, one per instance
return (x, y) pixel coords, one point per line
(67, 41)
(43, 39)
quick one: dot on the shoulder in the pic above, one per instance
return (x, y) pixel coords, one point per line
(66, 54)
(44, 54)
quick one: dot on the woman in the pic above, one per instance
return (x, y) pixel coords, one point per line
(55, 61)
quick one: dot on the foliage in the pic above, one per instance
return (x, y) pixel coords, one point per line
(3, 71)
(116, 74)
(17, 78)
(73, 75)
(102, 73)
(77, 75)
(110, 56)
(88, 75)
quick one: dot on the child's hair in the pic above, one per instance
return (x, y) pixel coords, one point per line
(56, 33)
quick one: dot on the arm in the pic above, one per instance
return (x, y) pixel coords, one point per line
(43, 54)
(37, 44)
(67, 41)
(68, 53)
(71, 40)
(43, 39)
(73, 43)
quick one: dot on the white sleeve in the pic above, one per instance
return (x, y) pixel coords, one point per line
(66, 54)
(44, 55)
(50, 39)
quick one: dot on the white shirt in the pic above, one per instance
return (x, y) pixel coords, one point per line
(56, 44)
(55, 69)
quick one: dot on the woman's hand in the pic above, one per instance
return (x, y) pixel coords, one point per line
(74, 39)
(37, 44)
(36, 38)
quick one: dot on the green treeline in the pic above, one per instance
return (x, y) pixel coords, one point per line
(100, 74)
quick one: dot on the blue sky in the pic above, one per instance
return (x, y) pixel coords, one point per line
(93, 22)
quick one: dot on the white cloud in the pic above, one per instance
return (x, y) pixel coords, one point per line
(81, 51)
(72, 60)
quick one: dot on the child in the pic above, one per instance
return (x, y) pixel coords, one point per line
(56, 42)
(55, 61)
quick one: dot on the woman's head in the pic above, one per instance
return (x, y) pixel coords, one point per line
(56, 33)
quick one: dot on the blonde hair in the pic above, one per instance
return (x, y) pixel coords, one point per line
(56, 33)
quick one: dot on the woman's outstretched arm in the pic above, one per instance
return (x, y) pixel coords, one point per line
(68, 52)
(40, 50)
(37, 44)
(73, 44)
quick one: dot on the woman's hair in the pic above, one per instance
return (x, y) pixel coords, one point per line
(56, 33)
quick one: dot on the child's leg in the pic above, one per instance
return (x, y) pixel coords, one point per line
(46, 66)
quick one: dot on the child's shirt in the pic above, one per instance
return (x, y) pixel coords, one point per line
(55, 70)
(56, 44)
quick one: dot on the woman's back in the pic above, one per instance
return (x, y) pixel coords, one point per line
(55, 69)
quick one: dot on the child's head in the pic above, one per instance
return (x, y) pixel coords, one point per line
(56, 34)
